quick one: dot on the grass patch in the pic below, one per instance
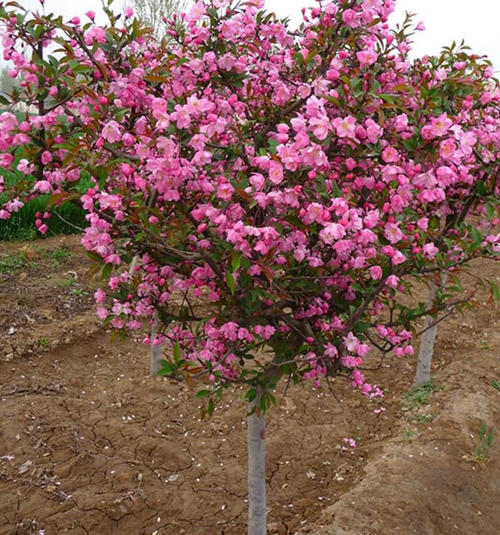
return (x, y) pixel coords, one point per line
(28, 257)
(409, 434)
(419, 396)
(424, 418)
(57, 256)
(66, 283)
(67, 219)
(44, 342)
(14, 262)
(78, 292)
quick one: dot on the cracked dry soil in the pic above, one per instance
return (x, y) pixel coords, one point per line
(89, 444)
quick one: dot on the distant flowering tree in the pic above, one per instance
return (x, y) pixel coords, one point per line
(155, 13)
(279, 190)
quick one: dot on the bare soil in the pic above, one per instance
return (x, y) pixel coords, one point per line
(90, 444)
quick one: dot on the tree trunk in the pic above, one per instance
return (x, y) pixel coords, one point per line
(426, 350)
(156, 351)
(257, 510)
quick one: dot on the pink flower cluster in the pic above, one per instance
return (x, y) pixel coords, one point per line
(277, 189)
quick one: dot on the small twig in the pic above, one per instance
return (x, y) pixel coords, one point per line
(80, 229)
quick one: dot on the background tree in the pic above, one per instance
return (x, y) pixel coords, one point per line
(154, 12)
(6, 82)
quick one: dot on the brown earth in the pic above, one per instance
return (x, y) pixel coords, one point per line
(89, 444)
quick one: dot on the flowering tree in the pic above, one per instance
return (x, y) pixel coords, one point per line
(279, 190)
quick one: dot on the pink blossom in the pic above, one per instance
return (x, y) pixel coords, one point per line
(197, 12)
(276, 173)
(332, 232)
(442, 124)
(447, 148)
(111, 132)
(227, 62)
(46, 157)
(367, 57)
(350, 442)
(100, 296)
(320, 126)
(390, 154)
(392, 281)
(345, 127)
(430, 250)
(393, 233)
(375, 272)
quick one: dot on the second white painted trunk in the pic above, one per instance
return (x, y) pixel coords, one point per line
(428, 338)
(257, 508)
(156, 351)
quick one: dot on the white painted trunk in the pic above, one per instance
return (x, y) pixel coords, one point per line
(427, 340)
(156, 351)
(257, 509)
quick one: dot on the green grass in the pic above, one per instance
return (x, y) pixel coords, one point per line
(44, 342)
(424, 418)
(409, 434)
(483, 448)
(66, 219)
(67, 282)
(57, 256)
(419, 397)
(11, 263)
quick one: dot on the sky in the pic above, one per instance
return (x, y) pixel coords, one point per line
(476, 21)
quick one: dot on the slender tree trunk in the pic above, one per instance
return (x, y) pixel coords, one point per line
(156, 351)
(426, 350)
(257, 509)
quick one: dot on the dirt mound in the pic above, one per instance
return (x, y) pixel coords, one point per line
(90, 444)
(441, 478)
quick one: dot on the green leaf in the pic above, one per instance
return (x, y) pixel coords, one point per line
(495, 291)
(236, 260)
(476, 234)
(481, 187)
(273, 144)
(106, 271)
(210, 407)
(177, 352)
(388, 98)
(295, 221)
(230, 282)
(203, 394)
(81, 69)
(166, 368)
(357, 87)
(262, 403)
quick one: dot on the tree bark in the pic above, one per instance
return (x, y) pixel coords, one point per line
(156, 351)
(426, 350)
(257, 510)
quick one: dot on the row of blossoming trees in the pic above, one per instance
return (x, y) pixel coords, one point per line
(295, 182)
